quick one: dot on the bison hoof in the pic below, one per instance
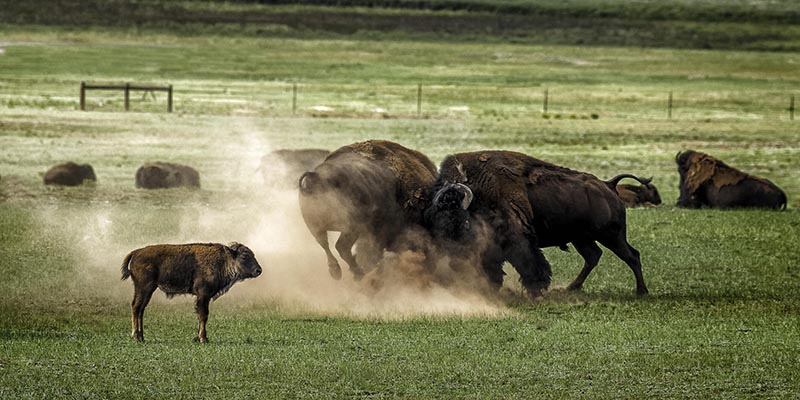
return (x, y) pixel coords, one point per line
(573, 287)
(200, 339)
(357, 274)
(642, 291)
(336, 272)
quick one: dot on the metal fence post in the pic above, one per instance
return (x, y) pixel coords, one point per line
(669, 106)
(419, 99)
(294, 98)
(83, 96)
(791, 108)
(546, 96)
(169, 99)
(127, 96)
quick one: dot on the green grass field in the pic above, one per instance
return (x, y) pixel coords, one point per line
(722, 317)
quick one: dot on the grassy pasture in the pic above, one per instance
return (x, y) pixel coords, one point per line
(721, 320)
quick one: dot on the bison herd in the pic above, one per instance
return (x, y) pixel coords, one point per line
(475, 212)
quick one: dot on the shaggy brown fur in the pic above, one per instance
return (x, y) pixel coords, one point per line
(162, 175)
(206, 271)
(69, 174)
(371, 191)
(282, 168)
(529, 204)
(708, 182)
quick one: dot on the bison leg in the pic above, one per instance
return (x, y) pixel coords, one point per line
(333, 266)
(591, 253)
(201, 306)
(534, 270)
(141, 297)
(630, 256)
(345, 248)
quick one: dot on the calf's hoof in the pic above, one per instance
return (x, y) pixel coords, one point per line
(138, 337)
(200, 339)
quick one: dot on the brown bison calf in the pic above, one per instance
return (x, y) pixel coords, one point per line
(204, 270)
(69, 174)
(644, 195)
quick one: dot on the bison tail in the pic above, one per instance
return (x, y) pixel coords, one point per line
(126, 266)
(612, 183)
(309, 182)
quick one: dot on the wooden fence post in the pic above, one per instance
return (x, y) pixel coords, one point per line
(669, 106)
(83, 96)
(546, 96)
(127, 96)
(169, 99)
(419, 99)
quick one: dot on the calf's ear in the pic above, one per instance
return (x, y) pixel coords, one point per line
(235, 246)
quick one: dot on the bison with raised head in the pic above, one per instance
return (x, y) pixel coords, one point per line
(373, 191)
(644, 195)
(526, 204)
(206, 271)
(163, 175)
(69, 174)
(708, 182)
(282, 168)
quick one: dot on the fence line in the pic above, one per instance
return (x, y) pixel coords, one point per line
(127, 89)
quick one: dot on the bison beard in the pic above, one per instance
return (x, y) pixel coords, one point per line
(528, 204)
(708, 182)
(372, 192)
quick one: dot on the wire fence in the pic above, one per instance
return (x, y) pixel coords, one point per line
(435, 101)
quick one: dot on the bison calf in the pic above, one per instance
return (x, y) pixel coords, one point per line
(644, 195)
(204, 270)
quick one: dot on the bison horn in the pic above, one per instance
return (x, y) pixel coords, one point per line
(467, 195)
(439, 194)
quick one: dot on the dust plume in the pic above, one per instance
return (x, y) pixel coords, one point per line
(266, 218)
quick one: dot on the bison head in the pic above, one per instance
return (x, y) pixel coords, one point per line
(649, 194)
(245, 260)
(448, 217)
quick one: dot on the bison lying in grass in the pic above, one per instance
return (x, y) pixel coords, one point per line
(644, 195)
(708, 182)
(527, 204)
(163, 175)
(282, 168)
(69, 174)
(206, 271)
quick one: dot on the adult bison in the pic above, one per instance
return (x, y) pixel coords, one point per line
(527, 204)
(282, 168)
(708, 182)
(162, 175)
(373, 191)
(644, 195)
(69, 174)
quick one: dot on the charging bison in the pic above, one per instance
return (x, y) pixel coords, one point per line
(371, 191)
(69, 174)
(528, 204)
(205, 270)
(708, 182)
(644, 195)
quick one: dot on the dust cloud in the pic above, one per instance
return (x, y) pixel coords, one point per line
(268, 220)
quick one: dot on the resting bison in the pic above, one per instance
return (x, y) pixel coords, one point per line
(528, 204)
(69, 174)
(204, 270)
(162, 175)
(282, 168)
(637, 196)
(373, 192)
(708, 182)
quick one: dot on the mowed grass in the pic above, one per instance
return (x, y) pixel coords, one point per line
(721, 319)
